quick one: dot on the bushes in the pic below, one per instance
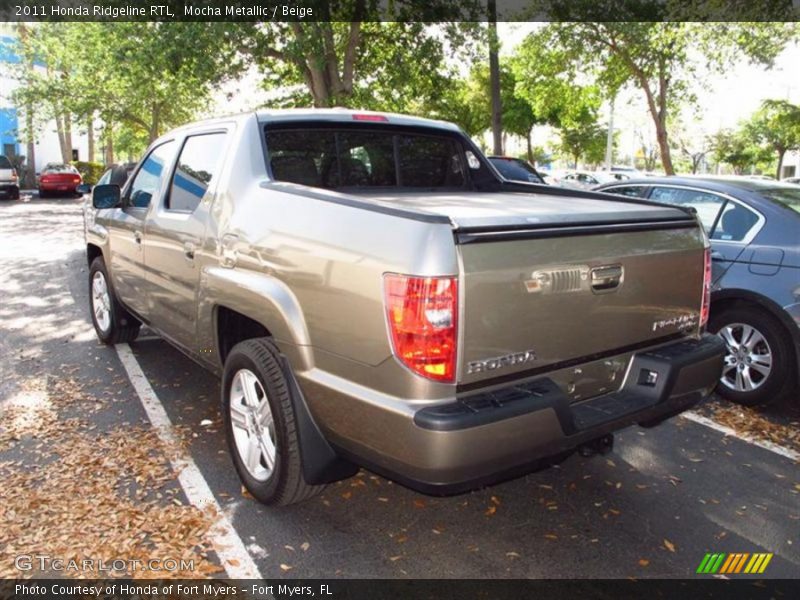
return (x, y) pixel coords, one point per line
(90, 171)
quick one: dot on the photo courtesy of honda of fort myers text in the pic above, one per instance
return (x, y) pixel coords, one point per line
(397, 299)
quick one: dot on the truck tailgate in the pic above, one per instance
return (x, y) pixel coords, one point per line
(542, 299)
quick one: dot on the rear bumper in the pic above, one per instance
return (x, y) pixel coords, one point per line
(488, 436)
(58, 187)
(7, 188)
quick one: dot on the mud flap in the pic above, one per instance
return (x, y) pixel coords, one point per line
(321, 464)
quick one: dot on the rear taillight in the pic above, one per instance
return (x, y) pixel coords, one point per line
(76, 179)
(705, 307)
(422, 314)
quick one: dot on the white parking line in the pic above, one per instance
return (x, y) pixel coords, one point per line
(696, 417)
(227, 544)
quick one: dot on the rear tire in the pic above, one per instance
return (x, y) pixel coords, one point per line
(112, 323)
(260, 425)
(758, 364)
(42, 194)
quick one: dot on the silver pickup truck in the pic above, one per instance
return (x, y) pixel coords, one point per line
(373, 293)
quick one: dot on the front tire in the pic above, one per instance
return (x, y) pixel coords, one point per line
(260, 425)
(758, 362)
(112, 323)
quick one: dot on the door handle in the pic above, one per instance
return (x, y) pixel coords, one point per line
(137, 236)
(606, 279)
(229, 256)
(188, 250)
(717, 256)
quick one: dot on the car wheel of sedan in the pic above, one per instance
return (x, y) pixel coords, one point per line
(112, 323)
(757, 368)
(260, 425)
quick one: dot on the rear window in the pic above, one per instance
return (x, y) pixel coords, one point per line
(60, 169)
(356, 158)
(5, 163)
(784, 197)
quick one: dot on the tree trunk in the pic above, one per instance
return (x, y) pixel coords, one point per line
(62, 140)
(663, 147)
(109, 135)
(494, 80)
(30, 172)
(90, 137)
(781, 154)
(68, 137)
(530, 145)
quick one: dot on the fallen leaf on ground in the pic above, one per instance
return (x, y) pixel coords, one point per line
(669, 545)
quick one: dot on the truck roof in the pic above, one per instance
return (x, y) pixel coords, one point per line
(346, 115)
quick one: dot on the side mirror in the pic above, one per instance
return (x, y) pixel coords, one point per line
(83, 188)
(106, 196)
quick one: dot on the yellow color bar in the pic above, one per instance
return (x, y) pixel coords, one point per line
(768, 557)
(752, 563)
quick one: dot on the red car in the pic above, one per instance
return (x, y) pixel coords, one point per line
(58, 179)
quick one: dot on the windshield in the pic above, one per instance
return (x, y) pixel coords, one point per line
(784, 197)
(360, 158)
(4, 162)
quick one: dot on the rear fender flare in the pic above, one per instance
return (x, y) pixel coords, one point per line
(264, 299)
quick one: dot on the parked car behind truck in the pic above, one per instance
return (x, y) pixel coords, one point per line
(372, 294)
(754, 226)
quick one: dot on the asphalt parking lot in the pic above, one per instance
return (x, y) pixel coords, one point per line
(652, 508)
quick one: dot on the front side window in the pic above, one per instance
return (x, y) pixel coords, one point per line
(198, 165)
(148, 180)
(106, 178)
(706, 204)
(353, 158)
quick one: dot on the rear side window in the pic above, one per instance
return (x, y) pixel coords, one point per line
(198, 166)
(735, 223)
(706, 204)
(631, 191)
(355, 158)
(5, 163)
(150, 176)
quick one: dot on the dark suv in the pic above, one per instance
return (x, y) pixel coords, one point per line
(754, 227)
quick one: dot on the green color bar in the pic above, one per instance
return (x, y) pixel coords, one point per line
(700, 569)
(718, 564)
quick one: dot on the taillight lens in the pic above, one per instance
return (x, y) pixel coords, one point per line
(76, 179)
(706, 305)
(423, 314)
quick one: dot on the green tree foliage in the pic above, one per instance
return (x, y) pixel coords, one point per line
(140, 78)
(776, 126)
(662, 59)
(378, 65)
(737, 149)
